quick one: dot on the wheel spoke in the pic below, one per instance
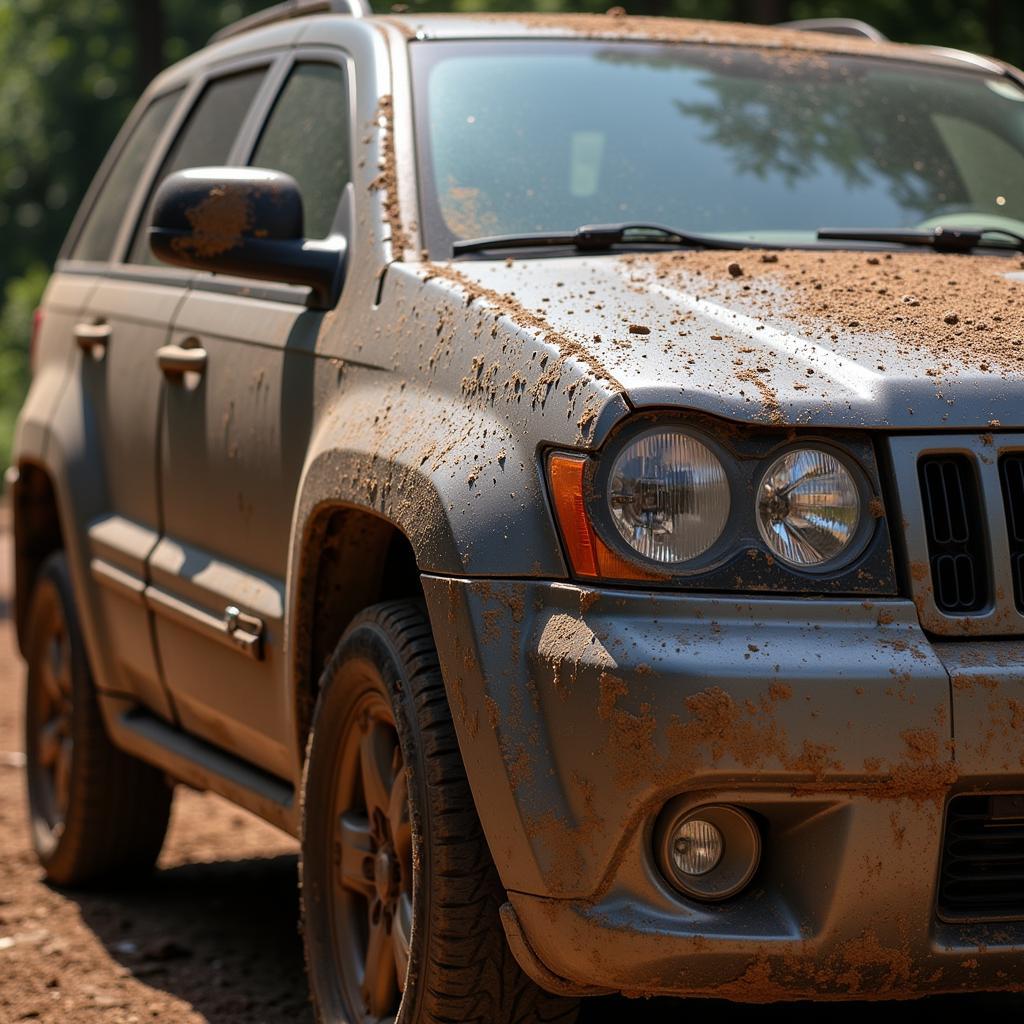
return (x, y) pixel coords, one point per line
(51, 736)
(380, 984)
(51, 691)
(64, 675)
(60, 663)
(356, 856)
(375, 756)
(401, 932)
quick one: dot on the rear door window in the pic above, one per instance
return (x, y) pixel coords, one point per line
(95, 241)
(307, 136)
(205, 141)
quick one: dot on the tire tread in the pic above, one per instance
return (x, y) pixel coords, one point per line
(119, 806)
(468, 975)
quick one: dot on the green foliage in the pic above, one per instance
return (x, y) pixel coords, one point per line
(20, 299)
(71, 70)
(62, 95)
(68, 82)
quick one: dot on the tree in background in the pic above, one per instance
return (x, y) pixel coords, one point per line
(71, 71)
(73, 68)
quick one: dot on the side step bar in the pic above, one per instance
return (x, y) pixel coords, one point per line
(206, 767)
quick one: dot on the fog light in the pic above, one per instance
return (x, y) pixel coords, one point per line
(707, 853)
(697, 847)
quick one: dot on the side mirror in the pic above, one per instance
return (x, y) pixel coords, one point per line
(244, 221)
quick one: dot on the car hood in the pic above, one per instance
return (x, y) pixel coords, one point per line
(803, 338)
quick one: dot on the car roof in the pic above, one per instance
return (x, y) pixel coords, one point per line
(683, 30)
(524, 25)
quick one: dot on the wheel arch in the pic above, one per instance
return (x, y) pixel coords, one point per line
(394, 461)
(350, 558)
(37, 533)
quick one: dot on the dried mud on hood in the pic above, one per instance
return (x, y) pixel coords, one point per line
(791, 337)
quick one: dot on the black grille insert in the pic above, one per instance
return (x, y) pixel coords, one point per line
(956, 538)
(1011, 473)
(983, 859)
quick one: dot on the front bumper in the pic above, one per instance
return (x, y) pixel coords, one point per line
(580, 713)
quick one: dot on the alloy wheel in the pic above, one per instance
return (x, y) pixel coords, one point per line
(372, 856)
(51, 743)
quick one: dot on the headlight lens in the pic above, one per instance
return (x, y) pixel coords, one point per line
(669, 496)
(808, 508)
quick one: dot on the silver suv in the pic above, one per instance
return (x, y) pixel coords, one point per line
(569, 472)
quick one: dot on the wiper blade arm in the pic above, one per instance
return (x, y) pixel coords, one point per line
(598, 237)
(941, 239)
(601, 237)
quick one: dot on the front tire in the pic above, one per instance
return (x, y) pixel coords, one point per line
(400, 896)
(94, 810)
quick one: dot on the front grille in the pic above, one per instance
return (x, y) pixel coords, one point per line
(1011, 475)
(961, 514)
(982, 876)
(957, 550)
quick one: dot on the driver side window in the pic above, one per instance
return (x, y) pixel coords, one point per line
(205, 141)
(307, 136)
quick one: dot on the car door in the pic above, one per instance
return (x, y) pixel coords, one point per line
(128, 319)
(234, 439)
(114, 397)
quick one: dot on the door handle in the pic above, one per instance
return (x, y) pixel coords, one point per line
(92, 338)
(244, 631)
(177, 360)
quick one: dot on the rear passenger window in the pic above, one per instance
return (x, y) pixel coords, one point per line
(307, 136)
(205, 141)
(96, 239)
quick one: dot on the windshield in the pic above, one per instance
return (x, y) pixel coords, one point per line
(544, 136)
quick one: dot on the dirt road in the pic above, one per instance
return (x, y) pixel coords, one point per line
(212, 937)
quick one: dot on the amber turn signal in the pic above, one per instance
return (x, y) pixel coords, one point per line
(589, 556)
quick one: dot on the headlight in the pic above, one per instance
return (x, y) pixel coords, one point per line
(668, 496)
(808, 508)
(715, 507)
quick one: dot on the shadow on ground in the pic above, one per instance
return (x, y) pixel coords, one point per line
(223, 936)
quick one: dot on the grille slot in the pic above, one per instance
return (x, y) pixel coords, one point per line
(955, 533)
(1011, 475)
(982, 876)
(962, 504)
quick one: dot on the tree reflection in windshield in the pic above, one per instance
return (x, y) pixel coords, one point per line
(868, 133)
(529, 135)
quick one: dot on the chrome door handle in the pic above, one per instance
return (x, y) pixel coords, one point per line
(244, 631)
(92, 338)
(177, 360)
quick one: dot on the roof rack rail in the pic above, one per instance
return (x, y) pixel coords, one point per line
(293, 9)
(837, 27)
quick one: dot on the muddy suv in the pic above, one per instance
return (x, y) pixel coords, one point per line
(567, 471)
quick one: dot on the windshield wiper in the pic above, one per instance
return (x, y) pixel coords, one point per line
(596, 237)
(941, 239)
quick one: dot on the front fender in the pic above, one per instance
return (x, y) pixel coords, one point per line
(464, 488)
